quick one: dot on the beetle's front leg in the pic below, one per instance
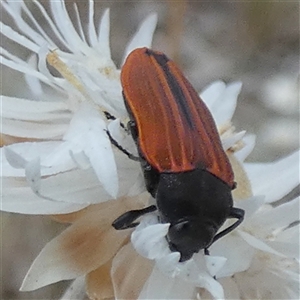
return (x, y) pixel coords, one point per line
(126, 220)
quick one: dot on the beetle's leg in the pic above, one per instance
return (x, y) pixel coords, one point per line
(131, 127)
(234, 213)
(115, 143)
(127, 219)
(109, 116)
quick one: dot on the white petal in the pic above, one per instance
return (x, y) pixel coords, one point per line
(14, 159)
(268, 282)
(76, 186)
(238, 253)
(222, 107)
(79, 23)
(51, 24)
(18, 38)
(290, 234)
(211, 93)
(143, 37)
(102, 160)
(14, 58)
(258, 244)
(249, 141)
(32, 130)
(81, 248)
(288, 249)
(232, 140)
(33, 83)
(160, 286)
(88, 132)
(64, 24)
(195, 270)
(279, 217)
(250, 206)
(149, 242)
(26, 69)
(91, 26)
(130, 178)
(54, 157)
(17, 197)
(214, 264)
(45, 38)
(213, 287)
(274, 180)
(80, 187)
(33, 174)
(23, 26)
(168, 264)
(80, 159)
(103, 38)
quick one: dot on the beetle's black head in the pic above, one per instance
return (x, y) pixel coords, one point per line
(190, 235)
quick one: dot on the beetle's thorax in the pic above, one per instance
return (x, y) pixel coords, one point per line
(194, 193)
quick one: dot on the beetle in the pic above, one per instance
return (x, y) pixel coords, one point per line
(185, 167)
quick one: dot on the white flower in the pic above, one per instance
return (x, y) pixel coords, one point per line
(62, 163)
(67, 122)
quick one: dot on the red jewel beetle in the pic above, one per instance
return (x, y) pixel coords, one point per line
(185, 167)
